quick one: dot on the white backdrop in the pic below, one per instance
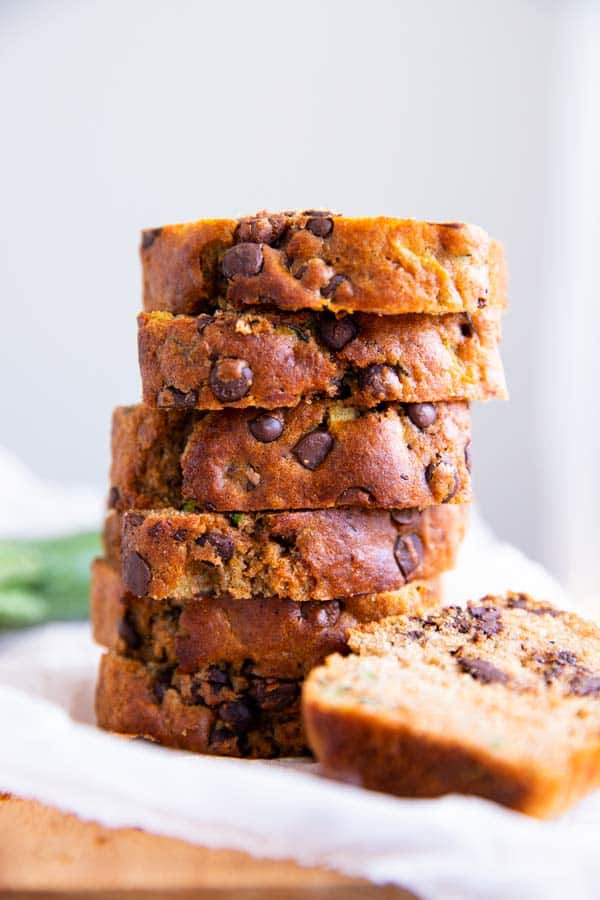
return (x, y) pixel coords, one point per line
(123, 114)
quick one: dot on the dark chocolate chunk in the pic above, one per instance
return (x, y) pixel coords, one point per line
(266, 428)
(355, 496)
(128, 633)
(408, 553)
(482, 670)
(315, 213)
(522, 601)
(443, 480)
(421, 414)
(149, 235)
(287, 541)
(219, 736)
(203, 320)
(137, 574)
(242, 259)
(488, 619)
(135, 519)
(320, 226)
(329, 289)
(585, 685)
(230, 379)
(405, 517)
(336, 333)
(311, 450)
(172, 397)
(238, 715)
(261, 229)
(221, 543)
(217, 675)
(277, 696)
(466, 327)
(380, 380)
(180, 535)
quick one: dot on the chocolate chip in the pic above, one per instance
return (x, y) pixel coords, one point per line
(266, 428)
(172, 397)
(355, 496)
(203, 320)
(336, 333)
(380, 380)
(221, 543)
(408, 553)
(134, 519)
(149, 235)
(468, 457)
(261, 229)
(217, 675)
(230, 379)
(487, 619)
(566, 657)
(522, 601)
(482, 670)
(405, 516)
(443, 480)
(238, 715)
(329, 289)
(180, 535)
(315, 213)
(242, 259)
(277, 696)
(466, 327)
(421, 414)
(113, 497)
(481, 302)
(137, 574)
(287, 540)
(162, 681)
(585, 685)
(220, 736)
(311, 450)
(320, 226)
(128, 633)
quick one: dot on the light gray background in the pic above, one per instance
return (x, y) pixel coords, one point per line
(120, 115)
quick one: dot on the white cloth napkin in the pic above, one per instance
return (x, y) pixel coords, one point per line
(452, 848)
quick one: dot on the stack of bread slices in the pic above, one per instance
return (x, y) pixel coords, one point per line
(300, 464)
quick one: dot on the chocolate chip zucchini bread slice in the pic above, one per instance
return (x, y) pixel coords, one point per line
(317, 260)
(276, 359)
(312, 456)
(218, 675)
(316, 554)
(501, 700)
(281, 638)
(225, 712)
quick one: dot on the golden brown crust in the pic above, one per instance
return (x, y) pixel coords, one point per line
(326, 455)
(243, 716)
(362, 359)
(297, 261)
(501, 699)
(272, 637)
(316, 555)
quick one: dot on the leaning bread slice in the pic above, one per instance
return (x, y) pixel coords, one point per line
(501, 700)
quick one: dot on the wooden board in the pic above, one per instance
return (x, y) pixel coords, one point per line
(57, 855)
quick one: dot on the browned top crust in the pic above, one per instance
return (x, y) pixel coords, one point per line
(277, 359)
(319, 260)
(314, 456)
(316, 555)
